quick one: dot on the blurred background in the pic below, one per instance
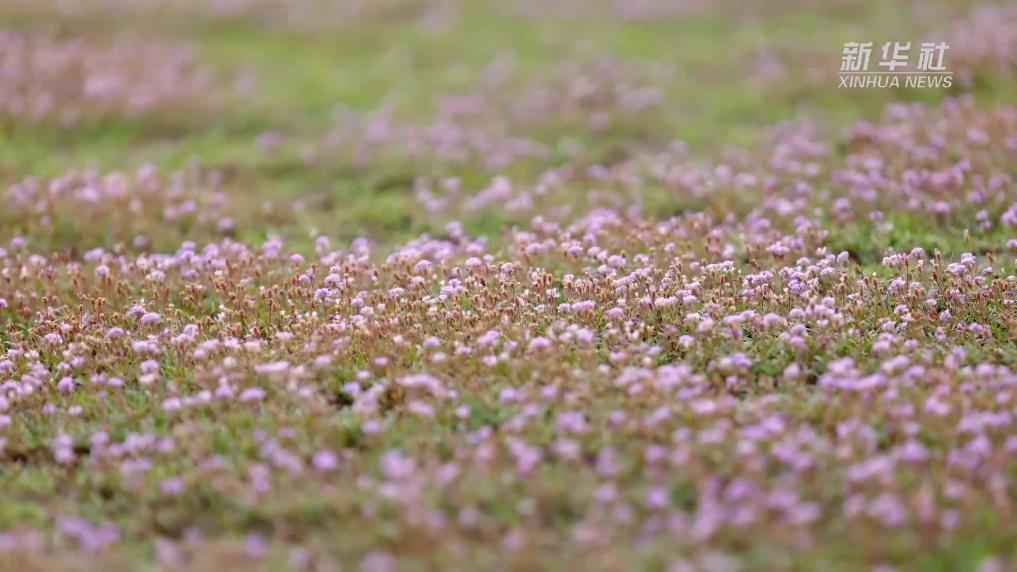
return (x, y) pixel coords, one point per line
(339, 109)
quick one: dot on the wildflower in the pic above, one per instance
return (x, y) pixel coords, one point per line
(252, 394)
(325, 461)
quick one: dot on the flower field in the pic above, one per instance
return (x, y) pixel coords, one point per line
(457, 285)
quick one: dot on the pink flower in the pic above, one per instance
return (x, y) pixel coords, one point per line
(150, 318)
(171, 486)
(378, 562)
(325, 461)
(252, 394)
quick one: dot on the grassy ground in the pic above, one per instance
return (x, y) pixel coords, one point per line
(249, 481)
(303, 72)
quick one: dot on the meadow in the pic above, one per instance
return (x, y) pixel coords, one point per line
(391, 285)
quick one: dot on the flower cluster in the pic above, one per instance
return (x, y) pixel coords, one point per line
(984, 43)
(708, 384)
(587, 347)
(303, 15)
(504, 119)
(84, 210)
(69, 81)
(949, 164)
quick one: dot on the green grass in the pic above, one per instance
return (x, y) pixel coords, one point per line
(301, 77)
